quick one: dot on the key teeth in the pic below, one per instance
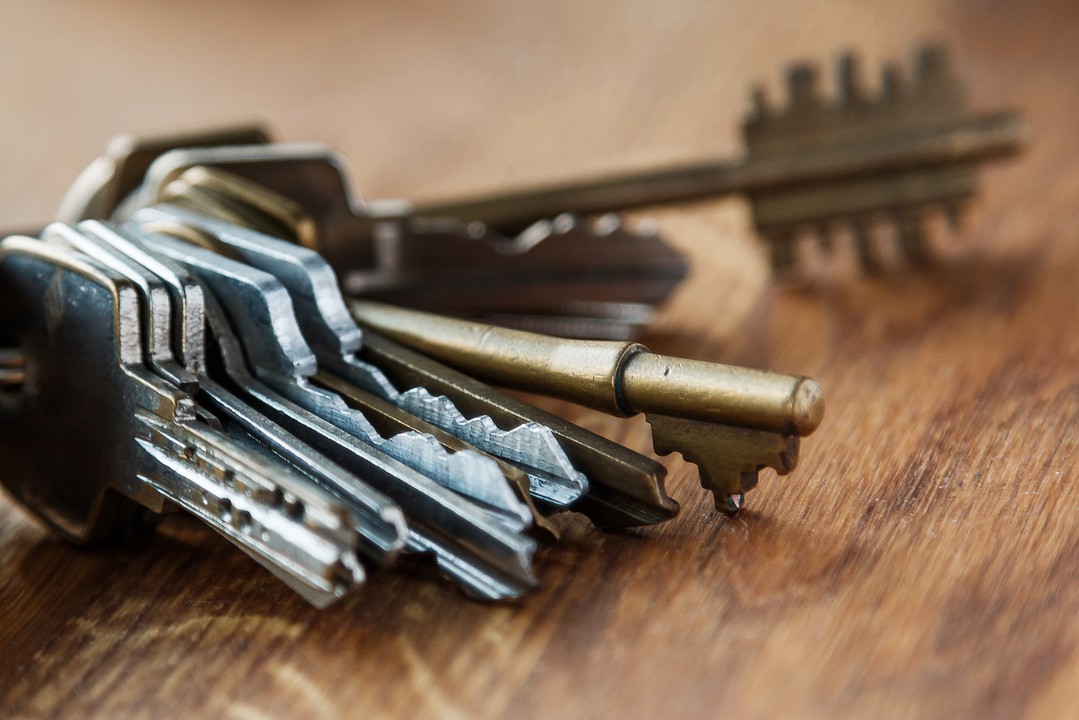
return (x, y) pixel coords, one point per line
(933, 75)
(467, 473)
(934, 71)
(802, 86)
(530, 440)
(848, 79)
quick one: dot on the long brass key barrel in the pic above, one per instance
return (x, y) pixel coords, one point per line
(730, 421)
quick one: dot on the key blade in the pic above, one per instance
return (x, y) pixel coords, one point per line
(304, 536)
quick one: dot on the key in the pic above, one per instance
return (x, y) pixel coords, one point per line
(94, 440)
(109, 179)
(383, 529)
(810, 167)
(281, 358)
(630, 488)
(558, 275)
(731, 422)
(625, 489)
(484, 556)
(335, 338)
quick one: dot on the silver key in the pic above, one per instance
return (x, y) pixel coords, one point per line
(335, 338)
(484, 556)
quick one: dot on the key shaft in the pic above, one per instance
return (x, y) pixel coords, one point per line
(615, 377)
(981, 138)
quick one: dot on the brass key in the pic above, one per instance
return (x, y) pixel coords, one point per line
(730, 421)
(810, 167)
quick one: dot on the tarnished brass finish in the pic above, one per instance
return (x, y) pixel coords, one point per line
(98, 190)
(731, 422)
(616, 377)
(728, 457)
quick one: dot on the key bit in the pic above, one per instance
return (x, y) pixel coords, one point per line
(910, 150)
(732, 421)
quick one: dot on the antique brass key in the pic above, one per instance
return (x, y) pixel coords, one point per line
(730, 421)
(810, 167)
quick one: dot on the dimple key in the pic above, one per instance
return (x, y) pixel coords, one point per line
(94, 440)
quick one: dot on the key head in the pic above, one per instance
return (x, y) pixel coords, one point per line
(67, 446)
(110, 178)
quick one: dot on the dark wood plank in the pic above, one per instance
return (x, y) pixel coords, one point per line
(921, 563)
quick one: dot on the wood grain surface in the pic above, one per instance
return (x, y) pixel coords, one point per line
(923, 562)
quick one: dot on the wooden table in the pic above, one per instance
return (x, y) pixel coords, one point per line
(922, 562)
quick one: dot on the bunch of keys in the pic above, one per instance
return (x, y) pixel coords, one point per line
(217, 324)
(191, 349)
